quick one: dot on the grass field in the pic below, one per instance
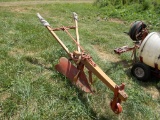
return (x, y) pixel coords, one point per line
(30, 87)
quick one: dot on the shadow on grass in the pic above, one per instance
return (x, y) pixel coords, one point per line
(81, 96)
(93, 115)
(37, 62)
(115, 66)
(152, 86)
(128, 65)
(152, 81)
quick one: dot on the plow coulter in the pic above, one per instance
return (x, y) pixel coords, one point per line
(83, 62)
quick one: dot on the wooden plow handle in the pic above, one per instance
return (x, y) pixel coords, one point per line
(46, 24)
(75, 16)
(43, 21)
(82, 60)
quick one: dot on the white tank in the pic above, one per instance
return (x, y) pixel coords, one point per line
(150, 50)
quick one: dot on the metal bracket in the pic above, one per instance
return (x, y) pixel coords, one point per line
(116, 102)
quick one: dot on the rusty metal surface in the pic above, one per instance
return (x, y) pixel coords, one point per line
(123, 49)
(66, 68)
(116, 102)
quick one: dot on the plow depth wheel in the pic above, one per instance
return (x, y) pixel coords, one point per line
(116, 107)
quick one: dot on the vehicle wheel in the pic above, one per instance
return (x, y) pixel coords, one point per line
(135, 29)
(141, 71)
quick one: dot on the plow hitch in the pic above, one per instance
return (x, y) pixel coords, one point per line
(79, 62)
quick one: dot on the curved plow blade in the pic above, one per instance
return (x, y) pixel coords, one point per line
(70, 71)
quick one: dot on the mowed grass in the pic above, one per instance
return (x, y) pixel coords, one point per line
(30, 87)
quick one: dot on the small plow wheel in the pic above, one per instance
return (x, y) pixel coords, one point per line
(116, 107)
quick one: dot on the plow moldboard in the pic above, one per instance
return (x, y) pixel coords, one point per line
(70, 71)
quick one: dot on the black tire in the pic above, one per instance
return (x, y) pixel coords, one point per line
(141, 71)
(135, 29)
